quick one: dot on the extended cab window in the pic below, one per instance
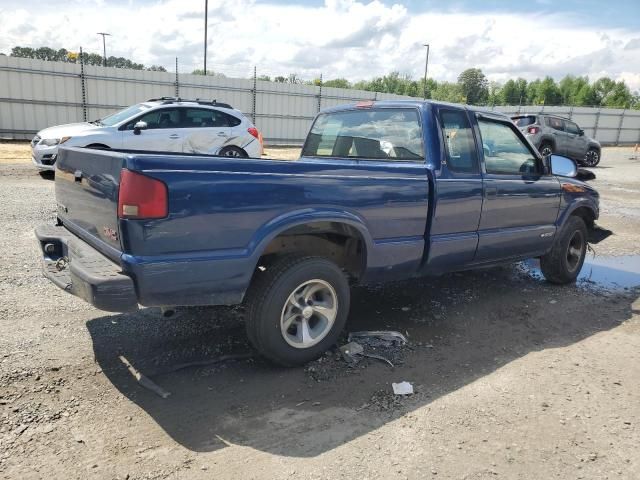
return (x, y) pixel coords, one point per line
(504, 152)
(461, 153)
(385, 134)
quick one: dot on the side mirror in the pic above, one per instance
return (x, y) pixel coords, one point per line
(138, 127)
(563, 166)
(581, 132)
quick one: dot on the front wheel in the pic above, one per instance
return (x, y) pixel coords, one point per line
(592, 158)
(563, 263)
(296, 309)
(546, 149)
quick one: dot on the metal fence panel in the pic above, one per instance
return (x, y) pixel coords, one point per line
(35, 94)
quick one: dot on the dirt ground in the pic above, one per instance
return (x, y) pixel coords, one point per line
(514, 378)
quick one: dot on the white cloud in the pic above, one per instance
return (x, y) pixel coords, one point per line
(342, 38)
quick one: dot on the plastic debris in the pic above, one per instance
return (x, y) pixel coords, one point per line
(402, 388)
(351, 352)
(386, 336)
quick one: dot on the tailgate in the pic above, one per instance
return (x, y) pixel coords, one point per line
(87, 184)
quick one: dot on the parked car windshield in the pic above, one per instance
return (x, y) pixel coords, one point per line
(390, 134)
(524, 121)
(111, 120)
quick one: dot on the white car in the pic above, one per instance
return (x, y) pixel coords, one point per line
(160, 125)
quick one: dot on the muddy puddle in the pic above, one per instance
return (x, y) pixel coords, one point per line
(611, 273)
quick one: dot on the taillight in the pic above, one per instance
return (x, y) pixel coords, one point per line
(533, 130)
(254, 132)
(141, 197)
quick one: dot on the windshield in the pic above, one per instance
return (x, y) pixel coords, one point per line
(117, 117)
(524, 121)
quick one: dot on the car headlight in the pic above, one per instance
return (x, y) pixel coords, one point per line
(50, 142)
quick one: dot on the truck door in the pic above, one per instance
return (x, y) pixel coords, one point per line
(576, 143)
(458, 196)
(521, 203)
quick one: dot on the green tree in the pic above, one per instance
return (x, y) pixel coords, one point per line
(474, 86)
(510, 93)
(337, 83)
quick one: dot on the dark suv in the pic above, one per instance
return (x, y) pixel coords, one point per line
(552, 134)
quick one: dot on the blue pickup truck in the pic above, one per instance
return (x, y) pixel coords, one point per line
(382, 191)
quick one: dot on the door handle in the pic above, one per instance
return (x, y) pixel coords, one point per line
(222, 134)
(174, 136)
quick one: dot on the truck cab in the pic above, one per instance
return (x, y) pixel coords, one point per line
(382, 191)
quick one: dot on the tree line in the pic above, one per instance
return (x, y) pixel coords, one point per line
(64, 55)
(473, 87)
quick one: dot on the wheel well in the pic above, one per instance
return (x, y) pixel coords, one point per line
(549, 141)
(339, 242)
(101, 146)
(586, 214)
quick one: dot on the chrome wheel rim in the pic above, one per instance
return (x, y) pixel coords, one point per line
(575, 250)
(546, 151)
(309, 314)
(591, 158)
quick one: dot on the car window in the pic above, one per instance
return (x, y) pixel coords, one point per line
(524, 121)
(160, 118)
(458, 139)
(203, 118)
(385, 134)
(555, 123)
(504, 152)
(571, 127)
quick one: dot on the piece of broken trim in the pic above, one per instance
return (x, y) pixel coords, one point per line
(402, 388)
(384, 335)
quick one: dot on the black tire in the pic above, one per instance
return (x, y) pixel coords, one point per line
(563, 262)
(546, 148)
(232, 151)
(269, 297)
(592, 158)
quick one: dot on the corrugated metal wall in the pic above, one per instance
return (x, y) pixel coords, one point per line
(35, 94)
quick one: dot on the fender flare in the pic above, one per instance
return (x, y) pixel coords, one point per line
(274, 227)
(582, 202)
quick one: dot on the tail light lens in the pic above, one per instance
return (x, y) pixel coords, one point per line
(141, 197)
(254, 132)
(533, 130)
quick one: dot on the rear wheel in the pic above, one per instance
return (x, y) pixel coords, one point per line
(296, 309)
(592, 158)
(564, 262)
(233, 152)
(546, 149)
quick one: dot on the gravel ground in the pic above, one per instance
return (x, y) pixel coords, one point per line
(514, 378)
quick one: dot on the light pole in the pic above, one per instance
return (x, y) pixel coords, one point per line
(206, 12)
(426, 66)
(104, 48)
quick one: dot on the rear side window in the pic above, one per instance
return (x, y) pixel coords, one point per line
(571, 128)
(555, 123)
(385, 134)
(524, 121)
(458, 139)
(203, 118)
(504, 152)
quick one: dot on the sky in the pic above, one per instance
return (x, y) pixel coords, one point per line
(353, 39)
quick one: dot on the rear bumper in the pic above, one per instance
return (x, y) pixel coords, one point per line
(79, 269)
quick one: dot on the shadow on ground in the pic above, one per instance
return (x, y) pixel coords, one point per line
(461, 327)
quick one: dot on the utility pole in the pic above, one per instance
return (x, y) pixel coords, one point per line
(206, 13)
(426, 66)
(104, 48)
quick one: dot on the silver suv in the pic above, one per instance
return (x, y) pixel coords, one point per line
(553, 134)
